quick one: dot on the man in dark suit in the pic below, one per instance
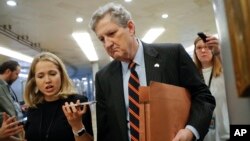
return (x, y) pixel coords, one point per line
(165, 63)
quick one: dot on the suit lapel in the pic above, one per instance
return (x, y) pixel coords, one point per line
(117, 95)
(153, 64)
(6, 90)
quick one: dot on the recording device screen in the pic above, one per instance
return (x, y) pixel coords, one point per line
(23, 121)
(202, 36)
(85, 103)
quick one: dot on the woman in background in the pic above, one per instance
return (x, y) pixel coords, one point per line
(52, 99)
(208, 61)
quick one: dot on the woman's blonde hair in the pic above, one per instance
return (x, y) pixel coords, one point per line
(216, 61)
(32, 96)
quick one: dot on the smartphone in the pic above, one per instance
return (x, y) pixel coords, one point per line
(202, 36)
(85, 103)
(22, 121)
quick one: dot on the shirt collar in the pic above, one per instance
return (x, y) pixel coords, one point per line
(5, 82)
(138, 57)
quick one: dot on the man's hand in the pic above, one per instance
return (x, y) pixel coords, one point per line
(184, 135)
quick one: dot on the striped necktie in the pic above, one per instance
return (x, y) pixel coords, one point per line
(133, 86)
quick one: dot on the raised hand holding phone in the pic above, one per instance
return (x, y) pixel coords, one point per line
(211, 42)
(74, 114)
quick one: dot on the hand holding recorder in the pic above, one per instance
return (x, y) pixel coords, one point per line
(211, 42)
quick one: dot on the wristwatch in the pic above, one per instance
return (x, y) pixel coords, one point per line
(79, 132)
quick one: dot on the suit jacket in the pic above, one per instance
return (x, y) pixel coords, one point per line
(175, 67)
(6, 101)
(39, 119)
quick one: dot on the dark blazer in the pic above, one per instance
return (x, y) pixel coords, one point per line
(49, 118)
(6, 101)
(175, 67)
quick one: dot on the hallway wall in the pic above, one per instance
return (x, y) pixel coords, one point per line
(239, 112)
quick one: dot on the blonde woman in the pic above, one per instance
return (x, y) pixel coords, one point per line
(51, 97)
(208, 61)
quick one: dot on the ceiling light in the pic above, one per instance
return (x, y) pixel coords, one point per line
(164, 16)
(152, 34)
(127, 0)
(11, 3)
(79, 19)
(13, 54)
(85, 43)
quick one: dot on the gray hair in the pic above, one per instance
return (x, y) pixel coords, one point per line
(118, 14)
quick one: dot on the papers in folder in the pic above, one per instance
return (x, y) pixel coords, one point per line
(164, 111)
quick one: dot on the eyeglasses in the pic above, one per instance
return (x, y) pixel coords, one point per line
(199, 48)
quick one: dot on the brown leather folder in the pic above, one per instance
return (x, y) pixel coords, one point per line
(164, 111)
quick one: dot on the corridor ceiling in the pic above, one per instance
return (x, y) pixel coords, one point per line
(51, 23)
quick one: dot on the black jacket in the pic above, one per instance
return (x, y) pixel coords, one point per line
(48, 119)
